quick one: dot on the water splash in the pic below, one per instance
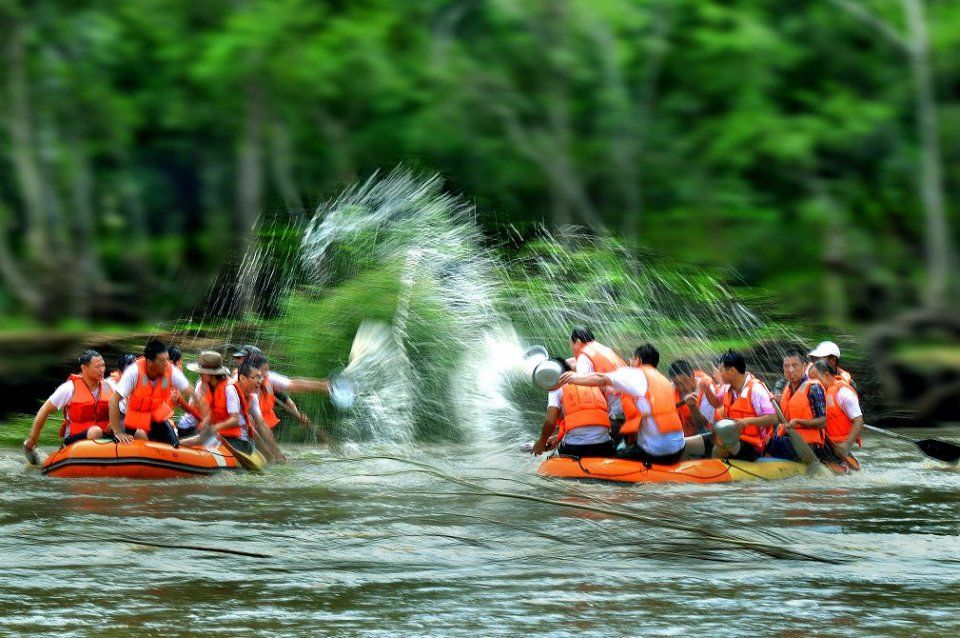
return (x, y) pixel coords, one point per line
(458, 312)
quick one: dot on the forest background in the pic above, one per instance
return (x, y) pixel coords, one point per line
(809, 148)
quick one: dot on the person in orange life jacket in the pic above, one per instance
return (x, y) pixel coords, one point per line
(803, 405)
(209, 365)
(278, 386)
(693, 405)
(84, 399)
(233, 407)
(577, 417)
(274, 379)
(648, 406)
(829, 351)
(749, 404)
(149, 388)
(844, 416)
(591, 356)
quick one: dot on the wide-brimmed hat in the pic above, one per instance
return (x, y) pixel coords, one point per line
(209, 362)
(826, 349)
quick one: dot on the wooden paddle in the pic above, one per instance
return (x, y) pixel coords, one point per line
(253, 462)
(934, 448)
(801, 447)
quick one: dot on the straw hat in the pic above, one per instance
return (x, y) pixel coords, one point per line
(208, 362)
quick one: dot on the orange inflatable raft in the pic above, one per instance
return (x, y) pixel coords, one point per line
(136, 460)
(691, 471)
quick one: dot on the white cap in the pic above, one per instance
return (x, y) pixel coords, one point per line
(826, 349)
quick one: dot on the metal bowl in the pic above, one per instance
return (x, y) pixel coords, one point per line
(343, 393)
(547, 374)
(726, 432)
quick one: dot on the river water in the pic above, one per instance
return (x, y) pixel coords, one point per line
(367, 547)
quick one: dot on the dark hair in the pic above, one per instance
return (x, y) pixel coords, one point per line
(823, 367)
(795, 352)
(153, 348)
(581, 334)
(733, 359)
(175, 354)
(246, 368)
(124, 361)
(87, 356)
(680, 366)
(648, 354)
(564, 364)
(257, 360)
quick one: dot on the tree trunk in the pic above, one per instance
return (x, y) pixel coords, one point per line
(249, 178)
(281, 165)
(88, 277)
(939, 249)
(22, 148)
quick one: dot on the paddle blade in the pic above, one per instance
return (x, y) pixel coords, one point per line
(939, 449)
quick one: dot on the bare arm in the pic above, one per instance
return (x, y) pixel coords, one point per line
(767, 420)
(810, 424)
(115, 424)
(230, 422)
(43, 414)
(708, 392)
(547, 430)
(593, 379)
(309, 385)
(855, 431)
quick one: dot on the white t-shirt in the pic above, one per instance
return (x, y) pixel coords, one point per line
(129, 380)
(848, 402)
(586, 435)
(585, 366)
(188, 420)
(633, 381)
(64, 393)
(279, 382)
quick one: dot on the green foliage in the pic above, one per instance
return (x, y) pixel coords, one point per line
(710, 131)
(15, 429)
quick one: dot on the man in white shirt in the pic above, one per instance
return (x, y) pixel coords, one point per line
(92, 369)
(652, 445)
(587, 436)
(151, 381)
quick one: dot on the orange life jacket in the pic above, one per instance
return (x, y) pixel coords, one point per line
(796, 405)
(583, 406)
(268, 400)
(84, 410)
(838, 423)
(604, 359)
(742, 408)
(683, 411)
(663, 405)
(219, 412)
(150, 400)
